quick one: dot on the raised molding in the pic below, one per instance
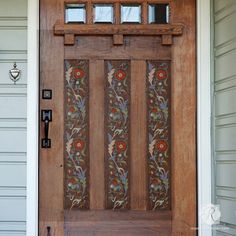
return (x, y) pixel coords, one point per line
(69, 31)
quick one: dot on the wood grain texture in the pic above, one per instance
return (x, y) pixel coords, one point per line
(118, 1)
(56, 228)
(117, 13)
(118, 39)
(138, 136)
(113, 223)
(167, 39)
(113, 216)
(96, 143)
(110, 29)
(145, 13)
(89, 8)
(100, 47)
(184, 120)
(69, 39)
(51, 190)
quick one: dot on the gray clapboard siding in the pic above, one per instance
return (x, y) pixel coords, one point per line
(228, 209)
(225, 114)
(13, 48)
(226, 176)
(13, 8)
(13, 35)
(225, 97)
(220, 5)
(13, 208)
(13, 140)
(12, 233)
(8, 226)
(16, 175)
(13, 22)
(225, 66)
(13, 106)
(224, 140)
(224, 23)
(218, 233)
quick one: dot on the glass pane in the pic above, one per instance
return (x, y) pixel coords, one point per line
(75, 13)
(103, 13)
(158, 14)
(130, 13)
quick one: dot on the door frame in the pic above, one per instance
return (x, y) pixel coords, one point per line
(204, 162)
(32, 118)
(204, 110)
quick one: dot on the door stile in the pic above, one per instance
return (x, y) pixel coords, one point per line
(138, 142)
(51, 160)
(183, 90)
(96, 143)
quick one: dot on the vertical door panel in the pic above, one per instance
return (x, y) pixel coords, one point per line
(159, 139)
(117, 125)
(76, 134)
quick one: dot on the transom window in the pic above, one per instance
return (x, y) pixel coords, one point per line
(141, 12)
(103, 13)
(75, 13)
(130, 13)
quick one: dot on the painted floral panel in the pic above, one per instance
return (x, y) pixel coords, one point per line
(158, 99)
(117, 97)
(76, 135)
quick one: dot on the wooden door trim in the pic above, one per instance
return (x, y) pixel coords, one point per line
(184, 107)
(69, 31)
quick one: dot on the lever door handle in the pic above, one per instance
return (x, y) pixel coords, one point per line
(46, 117)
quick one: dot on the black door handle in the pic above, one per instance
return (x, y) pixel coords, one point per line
(46, 117)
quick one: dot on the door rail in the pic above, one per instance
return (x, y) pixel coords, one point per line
(166, 31)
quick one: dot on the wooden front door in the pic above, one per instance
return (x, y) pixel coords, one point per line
(117, 101)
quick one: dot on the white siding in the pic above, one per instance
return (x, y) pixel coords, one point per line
(13, 48)
(225, 114)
